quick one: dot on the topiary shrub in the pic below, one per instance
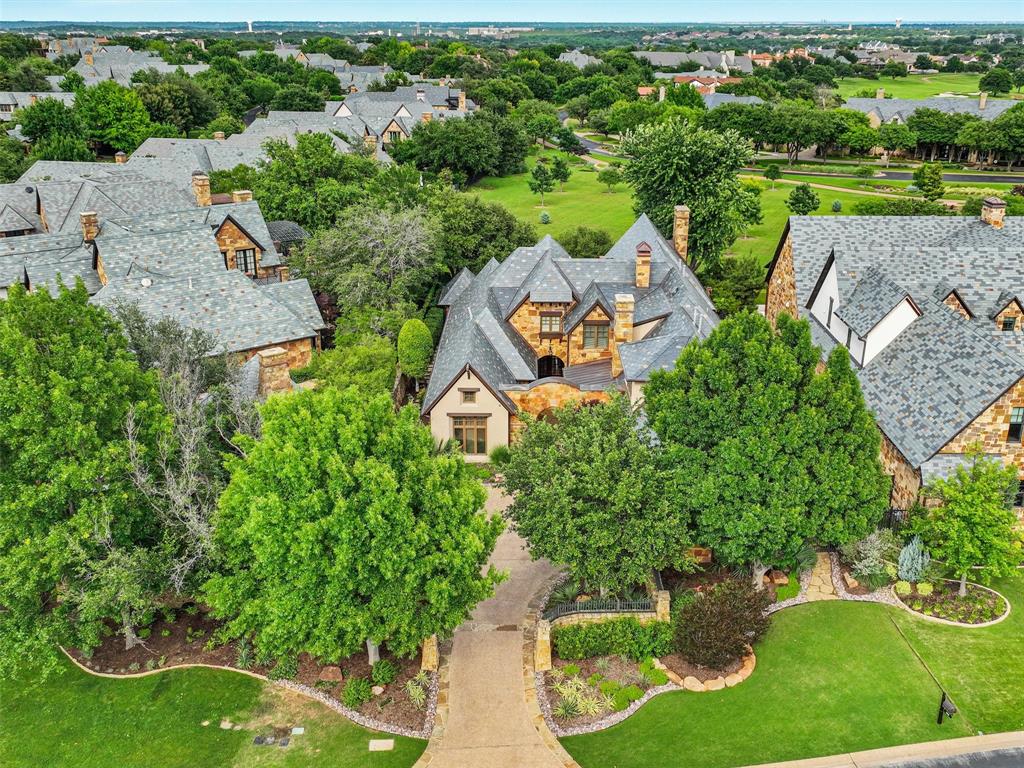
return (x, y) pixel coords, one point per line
(618, 637)
(924, 589)
(415, 347)
(914, 560)
(383, 672)
(715, 628)
(625, 696)
(357, 692)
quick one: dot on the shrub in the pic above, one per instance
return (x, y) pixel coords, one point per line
(609, 687)
(415, 346)
(567, 708)
(165, 633)
(652, 674)
(864, 172)
(243, 659)
(416, 693)
(150, 664)
(133, 667)
(545, 217)
(500, 455)
(837, 206)
(914, 560)
(571, 670)
(286, 668)
(625, 696)
(868, 556)
(383, 672)
(925, 588)
(356, 693)
(169, 615)
(902, 587)
(144, 633)
(618, 637)
(594, 679)
(715, 629)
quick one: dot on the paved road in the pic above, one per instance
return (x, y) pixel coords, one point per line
(949, 178)
(593, 147)
(1000, 758)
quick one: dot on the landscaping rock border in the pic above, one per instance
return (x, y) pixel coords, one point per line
(885, 595)
(305, 690)
(798, 599)
(950, 622)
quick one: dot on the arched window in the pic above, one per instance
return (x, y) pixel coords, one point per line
(549, 365)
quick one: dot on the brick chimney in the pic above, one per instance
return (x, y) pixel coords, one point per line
(982, 100)
(681, 231)
(241, 196)
(462, 101)
(201, 188)
(120, 158)
(273, 371)
(992, 211)
(218, 135)
(90, 225)
(643, 265)
(625, 306)
(880, 93)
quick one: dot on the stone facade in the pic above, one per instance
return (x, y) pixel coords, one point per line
(906, 480)
(298, 352)
(577, 354)
(273, 371)
(230, 238)
(526, 320)
(956, 305)
(781, 293)
(1011, 311)
(988, 431)
(543, 397)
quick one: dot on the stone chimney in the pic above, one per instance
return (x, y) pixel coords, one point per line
(90, 225)
(201, 188)
(87, 56)
(241, 196)
(120, 158)
(992, 211)
(370, 141)
(643, 265)
(661, 93)
(32, 98)
(681, 231)
(462, 101)
(273, 371)
(426, 117)
(982, 100)
(880, 93)
(218, 135)
(625, 307)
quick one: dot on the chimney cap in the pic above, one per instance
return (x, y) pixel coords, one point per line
(644, 248)
(84, 215)
(198, 173)
(993, 202)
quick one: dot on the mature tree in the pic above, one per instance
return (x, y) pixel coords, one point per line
(223, 123)
(770, 453)
(60, 147)
(900, 206)
(567, 139)
(600, 121)
(893, 69)
(344, 525)
(541, 127)
(297, 98)
(47, 117)
(113, 116)
(71, 519)
(975, 529)
(13, 161)
(366, 362)
(928, 178)
(802, 200)
(586, 243)
(675, 163)
(896, 137)
(685, 96)
(997, 80)
(415, 348)
(737, 284)
(936, 129)
(589, 493)
(177, 101)
(28, 75)
(72, 81)
(610, 177)
(578, 107)
(798, 126)
(541, 181)
(1010, 125)
(560, 171)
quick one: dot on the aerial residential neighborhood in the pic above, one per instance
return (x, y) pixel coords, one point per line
(538, 384)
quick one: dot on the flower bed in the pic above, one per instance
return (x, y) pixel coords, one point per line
(585, 692)
(184, 636)
(979, 606)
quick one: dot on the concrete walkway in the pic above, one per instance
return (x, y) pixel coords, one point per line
(489, 724)
(821, 586)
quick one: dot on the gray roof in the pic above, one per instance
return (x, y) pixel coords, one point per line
(712, 100)
(578, 58)
(706, 59)
(20, 99)
(477, 334)
(284, 231)
(298, 297)
(900, 109)
(874, 297)
(943, 370)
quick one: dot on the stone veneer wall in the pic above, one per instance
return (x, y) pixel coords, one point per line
(230, 238)
(781, 293)
(1011, 310)
(953, 303)
(988, 430)
(298, 351)
(554, 395)
(577, 354)
(906, 480)
(526, 320)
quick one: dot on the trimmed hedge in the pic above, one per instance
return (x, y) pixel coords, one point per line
(617, 637)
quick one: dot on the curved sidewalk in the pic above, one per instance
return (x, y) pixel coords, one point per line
(489, 723)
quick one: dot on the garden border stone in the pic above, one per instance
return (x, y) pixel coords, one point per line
(950, 622)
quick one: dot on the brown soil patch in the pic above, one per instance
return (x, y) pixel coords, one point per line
(187, 639)
(615, 668)
(860, 589)
(683, 668)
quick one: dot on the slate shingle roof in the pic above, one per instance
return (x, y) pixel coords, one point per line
(874, 296)
(943, 370)
(20, 99)
(477, 334)
(887, 109)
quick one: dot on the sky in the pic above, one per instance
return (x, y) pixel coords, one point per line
(661, 11)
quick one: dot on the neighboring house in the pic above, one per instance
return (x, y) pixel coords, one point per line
(209, 267)
(353, 77)
(392, 115)
(930, 309)
(12, 100)
(71, 46)
(720, 60)
(119, 63)
(700, 73)
(882, 110)
(543, 329)
(712, 100)
(578, 59)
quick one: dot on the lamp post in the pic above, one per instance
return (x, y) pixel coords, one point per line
(946, 708)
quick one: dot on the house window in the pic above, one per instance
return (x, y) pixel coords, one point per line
(1018, 498)
(1016, 425)
(595, 336)
(468, 395)
(551, 324)
(224, 255)
(1009, 323)
(470, 432)
(6, 107)
(245, 260)
(394, 136)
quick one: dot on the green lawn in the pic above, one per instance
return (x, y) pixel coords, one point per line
(584, 201)
(831, 677)
(76, 719)
(892, 186)
(914, 86)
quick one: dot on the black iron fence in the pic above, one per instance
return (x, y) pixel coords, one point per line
(895, 519)
(598, 606)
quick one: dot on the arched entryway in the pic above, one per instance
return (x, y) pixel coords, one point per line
(549, 365)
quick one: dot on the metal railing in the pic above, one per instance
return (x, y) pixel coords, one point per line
(894, 519)
(273, 277)
(598, 606)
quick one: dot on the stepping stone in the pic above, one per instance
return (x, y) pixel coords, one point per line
(377, 690)
(715, 685)
(205, 723)
(382, 745)
(226, 725)
(298, 730)
(237, 728)
(732, 680)
(332, 674)
(257, 740)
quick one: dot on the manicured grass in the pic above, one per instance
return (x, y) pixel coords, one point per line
(914, 86)
(584, 201)
(831, 677)
(76, 719)
(892, 186)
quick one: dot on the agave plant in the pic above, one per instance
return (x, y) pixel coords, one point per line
(567, 708)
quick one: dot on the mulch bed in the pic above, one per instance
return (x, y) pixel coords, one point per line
(705, 577)
(977, 607)
(187, 640)
(616, 668)
(860, 589)
(683, 668)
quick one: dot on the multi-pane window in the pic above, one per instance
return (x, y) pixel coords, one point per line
(245, 260)
(550, 324)
(1018, 499)
(1016, 425)
(468, 395)
(394, 136)
(470, 432)
(1009, 323)
(595, 336)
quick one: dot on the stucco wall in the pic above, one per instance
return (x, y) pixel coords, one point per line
(486, 405)
(891, 326)
(782, 285)
(988, 430)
